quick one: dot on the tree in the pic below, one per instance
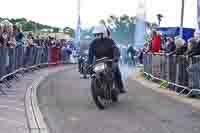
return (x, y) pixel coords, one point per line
(30, 25)
(69, 31)
(55, 29)
(122, 28)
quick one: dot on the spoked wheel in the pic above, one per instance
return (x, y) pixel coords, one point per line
(97, 94)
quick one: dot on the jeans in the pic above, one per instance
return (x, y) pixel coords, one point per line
(117, 75)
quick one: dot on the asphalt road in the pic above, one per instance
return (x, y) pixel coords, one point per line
(66, 103)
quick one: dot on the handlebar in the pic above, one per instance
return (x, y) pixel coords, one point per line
(105, 59)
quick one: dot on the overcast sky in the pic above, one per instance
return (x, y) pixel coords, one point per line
(64, 12)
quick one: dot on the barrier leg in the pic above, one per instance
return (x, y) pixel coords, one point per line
(2, 91)
(16, 77)
(181, 91)
(7, 84)
(163, 84)
(22, 73)
(166, 85)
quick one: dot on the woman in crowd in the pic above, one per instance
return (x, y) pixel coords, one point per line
(5, 33)
(12, 40)
(155, 42)
(29, 39)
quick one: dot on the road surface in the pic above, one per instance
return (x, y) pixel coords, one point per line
(66, 103)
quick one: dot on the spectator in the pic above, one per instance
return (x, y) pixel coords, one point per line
(193, 47)
(170, 45)
(180, 47)
(140, 56)
(69, 52)
(132, 52)
(145, 48)
(155, 42)
(18, 35)
(36, 40)
(1, 37)
(30, 39)
(194, 69)
(11, 41)
(164, 44)
(5, 34)
(181, 75)
(7, 37)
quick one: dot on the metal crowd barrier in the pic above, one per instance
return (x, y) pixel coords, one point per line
(18, 60)
(174, 72)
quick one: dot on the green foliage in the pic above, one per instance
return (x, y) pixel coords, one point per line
(122, 28)
(37, 27)
(69, 31)
(55, 29)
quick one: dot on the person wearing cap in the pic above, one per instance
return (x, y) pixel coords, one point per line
(194, 69)
(193, 47)
(180, 47)
(181, 63)
(101, 47)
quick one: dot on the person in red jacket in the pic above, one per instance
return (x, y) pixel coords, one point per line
(155, 42)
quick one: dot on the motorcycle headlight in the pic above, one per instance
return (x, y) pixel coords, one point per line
(100, 67)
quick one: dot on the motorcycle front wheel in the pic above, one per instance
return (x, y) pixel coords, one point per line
(97, 93)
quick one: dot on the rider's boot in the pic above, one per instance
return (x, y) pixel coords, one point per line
(121, 86)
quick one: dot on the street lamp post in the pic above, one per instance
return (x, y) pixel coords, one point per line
(159, 17)
(182, 18)
(198, 14)
(78, 28)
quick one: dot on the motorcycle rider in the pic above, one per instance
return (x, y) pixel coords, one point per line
(104, 46)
